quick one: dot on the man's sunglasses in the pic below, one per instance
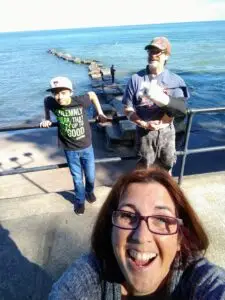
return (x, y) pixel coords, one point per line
(155, 51)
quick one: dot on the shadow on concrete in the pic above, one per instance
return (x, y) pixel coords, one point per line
(67, 238)
(43, 139)
(20, 279)
(106, 175)
(34, 183)
(21, 165)
(46, 141)
(67, 195)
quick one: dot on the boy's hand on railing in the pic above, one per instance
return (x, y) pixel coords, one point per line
(101, 118)
(46, 124)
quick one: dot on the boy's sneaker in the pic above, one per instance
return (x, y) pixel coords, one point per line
(91, 198)
(79, 209)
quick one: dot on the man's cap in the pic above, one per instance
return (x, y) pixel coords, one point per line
(60, 82)
(161, 43)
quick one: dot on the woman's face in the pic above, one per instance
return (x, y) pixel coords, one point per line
(145, 258)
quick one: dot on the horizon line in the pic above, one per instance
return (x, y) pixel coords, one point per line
(107, 26)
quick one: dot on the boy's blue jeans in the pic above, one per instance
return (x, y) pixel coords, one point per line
(81, 162)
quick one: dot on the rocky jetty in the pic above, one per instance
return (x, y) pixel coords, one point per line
(96, 69)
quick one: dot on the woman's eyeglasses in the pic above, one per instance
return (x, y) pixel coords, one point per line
(157, 224)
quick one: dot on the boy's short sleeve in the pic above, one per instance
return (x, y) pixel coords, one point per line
(50, 103)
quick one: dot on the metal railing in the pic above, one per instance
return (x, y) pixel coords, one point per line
(54, 124)
(186, 151)
(190, 114)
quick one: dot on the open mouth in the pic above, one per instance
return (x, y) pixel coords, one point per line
(141, 259)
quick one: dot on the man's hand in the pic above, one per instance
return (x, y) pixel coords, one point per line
(150, 125)
(46, 124)
(166, 119)
(157, 95)
(102, 118)
(154, 125)
(159, 124)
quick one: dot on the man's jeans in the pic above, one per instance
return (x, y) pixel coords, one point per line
(79, 162)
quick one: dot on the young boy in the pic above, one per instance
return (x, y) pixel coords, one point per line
(74, 134)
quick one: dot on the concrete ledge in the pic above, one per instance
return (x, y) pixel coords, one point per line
(40, 235)
(44, 204)
(206, 194)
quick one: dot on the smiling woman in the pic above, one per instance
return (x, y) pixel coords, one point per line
(145, 250)
(147, 243)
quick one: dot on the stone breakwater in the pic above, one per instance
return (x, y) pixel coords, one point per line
(96, 69)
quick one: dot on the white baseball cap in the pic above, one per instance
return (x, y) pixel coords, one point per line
(60, 82)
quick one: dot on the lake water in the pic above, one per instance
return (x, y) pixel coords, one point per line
(197, 55)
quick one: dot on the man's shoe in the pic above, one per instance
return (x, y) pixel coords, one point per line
(90, 197)
(79, 209)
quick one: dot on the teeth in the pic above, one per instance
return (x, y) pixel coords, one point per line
(142, 256)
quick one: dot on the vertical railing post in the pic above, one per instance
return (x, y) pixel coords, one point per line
(187, 135)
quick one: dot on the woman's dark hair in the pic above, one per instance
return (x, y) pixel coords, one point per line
(193, 238)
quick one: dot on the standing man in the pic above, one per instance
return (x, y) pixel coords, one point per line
(102, 75)
(112, 71)
(152, 98)
(74, 134)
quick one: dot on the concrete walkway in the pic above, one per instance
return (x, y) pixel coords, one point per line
(39, 233)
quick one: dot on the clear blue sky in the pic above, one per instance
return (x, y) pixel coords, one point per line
(20, 15)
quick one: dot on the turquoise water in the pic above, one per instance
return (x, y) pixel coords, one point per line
(26, 67)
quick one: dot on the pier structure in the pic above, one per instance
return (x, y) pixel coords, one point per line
(96, 69)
